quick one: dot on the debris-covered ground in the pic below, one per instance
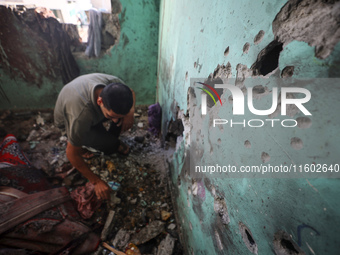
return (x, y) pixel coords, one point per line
(140, 208)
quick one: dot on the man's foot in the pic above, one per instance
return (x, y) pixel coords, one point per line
(123, 149)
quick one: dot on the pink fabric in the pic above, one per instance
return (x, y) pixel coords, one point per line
(86, 199)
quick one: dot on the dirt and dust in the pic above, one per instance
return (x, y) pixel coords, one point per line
(140, 204)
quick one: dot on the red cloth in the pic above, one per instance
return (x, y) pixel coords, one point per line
(86, 200)
(11, 153)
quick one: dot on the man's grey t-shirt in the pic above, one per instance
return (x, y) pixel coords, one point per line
(76, 109)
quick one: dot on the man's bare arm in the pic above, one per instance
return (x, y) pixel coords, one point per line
(74, 154)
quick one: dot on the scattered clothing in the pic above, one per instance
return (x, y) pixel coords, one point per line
(11, 154)
(87, 201)
(94, 34)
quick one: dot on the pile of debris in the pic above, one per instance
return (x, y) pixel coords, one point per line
(140, 218)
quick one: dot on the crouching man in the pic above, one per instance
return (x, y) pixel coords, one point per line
(82, 107)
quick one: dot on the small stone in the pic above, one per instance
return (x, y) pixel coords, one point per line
(104, 174)
(166, 246)
(40, 121)
(63, 139)
(121, 239)
(164, 205)
(114, 199)
(147, 233)
(172, 226)
(140, 124)
(165, 215)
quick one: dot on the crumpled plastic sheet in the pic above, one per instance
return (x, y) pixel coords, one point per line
(94, 34)
(86, 199)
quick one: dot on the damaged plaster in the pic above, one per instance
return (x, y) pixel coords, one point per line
(310, 21)
(268, 59)
(47, 56)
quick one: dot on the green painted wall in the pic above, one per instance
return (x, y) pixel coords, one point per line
(134, 60)
(307, 209)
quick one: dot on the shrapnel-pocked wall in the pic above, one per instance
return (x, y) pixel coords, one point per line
(204, 44)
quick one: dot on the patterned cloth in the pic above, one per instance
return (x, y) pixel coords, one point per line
(57, 230)
(11, 153)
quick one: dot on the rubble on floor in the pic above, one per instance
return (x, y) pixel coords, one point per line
(140, 212)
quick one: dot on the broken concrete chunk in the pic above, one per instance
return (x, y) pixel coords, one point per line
(114, 199)
(166, 246)
(149, 232)
(164, 205)
(121, 239)
(34, 134)
(40, 121)
(108, 225)
(222, 71)
(46, 134)
(133, 201)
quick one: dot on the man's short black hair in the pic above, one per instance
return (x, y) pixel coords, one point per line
(117, 97)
